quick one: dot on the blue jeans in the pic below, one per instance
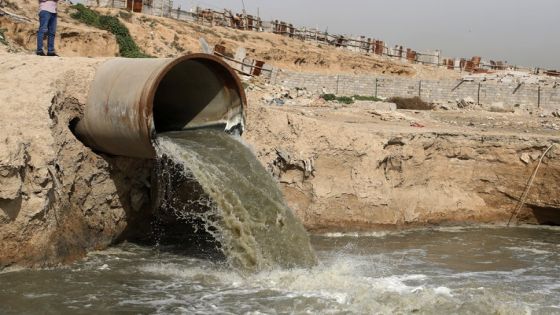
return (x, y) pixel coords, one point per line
(47, 25)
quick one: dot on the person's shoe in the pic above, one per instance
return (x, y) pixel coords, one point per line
(52, 54)
(40, 53)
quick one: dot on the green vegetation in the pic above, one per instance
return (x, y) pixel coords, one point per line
(3, 36)
(415, 103)
(127, 46)
(367, 98)
(345, 100)
(349, 100)
(328, 97)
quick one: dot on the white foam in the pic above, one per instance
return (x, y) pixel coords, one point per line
(529, 250)
(357, 234)
(37, 295)
(443, 291)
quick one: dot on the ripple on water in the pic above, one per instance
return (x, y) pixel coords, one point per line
(424, 271)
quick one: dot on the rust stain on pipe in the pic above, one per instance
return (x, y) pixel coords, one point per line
(131, 100)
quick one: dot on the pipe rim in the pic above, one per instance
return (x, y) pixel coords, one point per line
(170, 65)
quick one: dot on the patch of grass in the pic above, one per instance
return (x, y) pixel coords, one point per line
(341, 99)
(415, 103)
(3, 36)
(367, 98)
(345, 100)
(127, 46)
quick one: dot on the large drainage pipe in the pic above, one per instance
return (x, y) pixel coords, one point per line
(131, 100)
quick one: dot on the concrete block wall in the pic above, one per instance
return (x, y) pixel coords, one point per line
(441, 91)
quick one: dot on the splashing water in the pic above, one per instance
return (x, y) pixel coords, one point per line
(242, 206)
(478, 270)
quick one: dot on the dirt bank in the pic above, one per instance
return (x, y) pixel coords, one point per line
(58, 199)
(352, 167)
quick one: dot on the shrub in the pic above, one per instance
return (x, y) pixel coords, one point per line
(340, 99)
(366, 98)
(415, 103)
(127, 46)
(345, 100)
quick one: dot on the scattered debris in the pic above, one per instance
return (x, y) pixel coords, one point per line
(284, 162)
(525, 158)
(466, 103)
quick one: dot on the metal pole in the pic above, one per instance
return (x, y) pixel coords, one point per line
(375, 87)
(420, 88)
(337, 78)
(539, 97)
(478, 95)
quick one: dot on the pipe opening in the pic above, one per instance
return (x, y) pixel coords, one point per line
(195, 93)
(132, 100)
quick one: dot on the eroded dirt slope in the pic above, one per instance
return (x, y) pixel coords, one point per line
(164, 37)
(352, 167)
(58, 199)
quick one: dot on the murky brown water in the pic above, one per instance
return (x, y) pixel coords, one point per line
(429, 271)
(245, 210)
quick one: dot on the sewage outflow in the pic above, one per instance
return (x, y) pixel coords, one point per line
(211, 176)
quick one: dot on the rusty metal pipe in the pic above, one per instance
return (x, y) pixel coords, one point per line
(132, 100)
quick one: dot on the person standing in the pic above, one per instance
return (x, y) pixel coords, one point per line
(47, 25)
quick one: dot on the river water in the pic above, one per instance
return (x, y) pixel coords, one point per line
(484, 270)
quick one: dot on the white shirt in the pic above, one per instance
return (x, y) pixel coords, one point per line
(49, 5)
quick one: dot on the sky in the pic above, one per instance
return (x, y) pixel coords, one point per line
(525, 33)
(521, 32)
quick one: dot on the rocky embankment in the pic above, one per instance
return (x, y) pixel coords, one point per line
(354, 167)
(58, 199)
(341, 167)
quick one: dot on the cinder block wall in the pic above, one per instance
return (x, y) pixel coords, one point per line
(440, 91)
